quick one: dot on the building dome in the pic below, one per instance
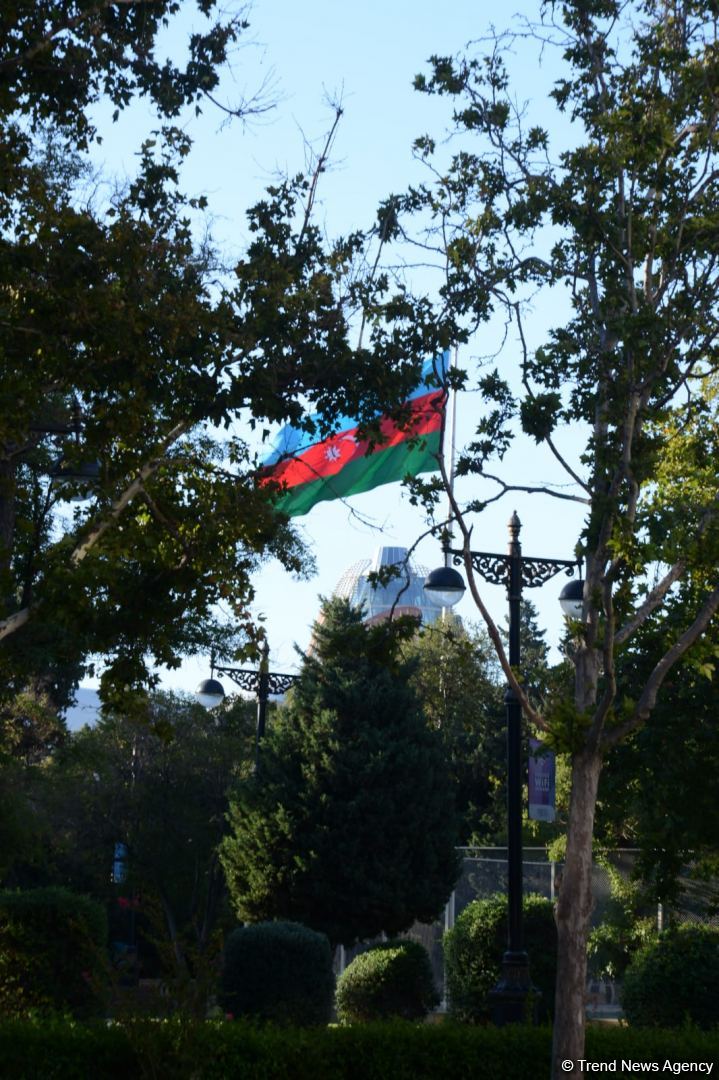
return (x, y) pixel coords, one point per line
(405, 591)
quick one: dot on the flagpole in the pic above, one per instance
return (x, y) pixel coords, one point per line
(452, 451)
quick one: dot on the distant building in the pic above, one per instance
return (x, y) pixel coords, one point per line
(406, 591)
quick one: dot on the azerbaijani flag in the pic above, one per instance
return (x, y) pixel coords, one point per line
(344, 464)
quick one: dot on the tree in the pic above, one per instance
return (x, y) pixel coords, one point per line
(349, 826)
(159, 788)
(456, 680)
(127, 343)
(659, 789)
(30, 731)
(615, 232)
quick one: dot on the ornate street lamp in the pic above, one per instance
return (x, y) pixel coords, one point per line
(572, 599)
(69, 474)
(260, 681)
(512, 994)
(446, 585)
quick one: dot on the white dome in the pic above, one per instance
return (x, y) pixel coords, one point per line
(406, 590)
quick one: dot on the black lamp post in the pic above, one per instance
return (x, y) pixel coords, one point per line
(510, 997)
(67, 472)
(260, 681)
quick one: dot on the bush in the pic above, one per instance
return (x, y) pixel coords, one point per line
(674, 979)
(279, 971)
(52, 953)
(473, 951)
(626, 926)
(393, 979)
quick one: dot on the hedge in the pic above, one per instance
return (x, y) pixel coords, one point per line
(397, 1049)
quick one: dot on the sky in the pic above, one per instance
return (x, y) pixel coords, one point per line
(366, 54)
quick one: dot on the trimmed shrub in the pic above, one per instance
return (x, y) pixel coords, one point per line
(473, 951)
(393, 979)
(278, 971)
(52, 953)
(674, 979)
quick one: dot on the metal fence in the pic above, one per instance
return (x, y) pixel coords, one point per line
(484, 871)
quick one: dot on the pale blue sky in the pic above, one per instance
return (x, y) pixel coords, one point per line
(368, 54)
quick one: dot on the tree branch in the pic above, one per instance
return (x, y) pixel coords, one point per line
(648, 697)
(535, 490)
(489, 622)
(317, 171)
(652, 602)
(68, 26)
(13, 622)
(657, 594)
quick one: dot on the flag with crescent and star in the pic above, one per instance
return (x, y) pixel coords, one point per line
(347, 464)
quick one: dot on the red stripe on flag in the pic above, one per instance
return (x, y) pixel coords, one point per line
(330, 456)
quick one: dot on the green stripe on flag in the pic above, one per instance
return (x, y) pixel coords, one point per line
(381, 467)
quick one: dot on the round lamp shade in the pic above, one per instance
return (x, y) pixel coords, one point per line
(571, 599)
(75, 481)
(210, 693)
(445, 585)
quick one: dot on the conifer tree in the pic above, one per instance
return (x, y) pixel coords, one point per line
(349, 824)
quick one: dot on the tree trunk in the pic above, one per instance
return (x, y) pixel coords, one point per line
(7, 518)
(170, 923)
(574, 908)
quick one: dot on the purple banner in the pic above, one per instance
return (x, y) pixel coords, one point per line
(542, 782)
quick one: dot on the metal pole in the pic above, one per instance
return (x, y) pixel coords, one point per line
(509, 997)
(263, 693)
(515, 943)
(514, 996)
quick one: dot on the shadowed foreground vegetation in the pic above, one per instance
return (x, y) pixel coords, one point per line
(401, 1050)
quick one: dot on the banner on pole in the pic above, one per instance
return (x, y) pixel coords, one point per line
(542, 782)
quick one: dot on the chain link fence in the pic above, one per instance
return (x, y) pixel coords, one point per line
(484, 872)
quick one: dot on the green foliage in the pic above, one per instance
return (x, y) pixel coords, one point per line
(675, 980)
(393, 979)
(461, 688)
(473, 951)
(278, 971)
(373, 1051)
(30, 730)
(654, 799)
(608, 217)
(458, 684)
(122, 347)
(350, 825)
(52, 953)
(161, 788)
(625, 927)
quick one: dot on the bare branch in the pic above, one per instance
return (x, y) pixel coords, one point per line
(652, 602)
(319, 168)
(660, 590)
(648, 697)
(535, 490)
